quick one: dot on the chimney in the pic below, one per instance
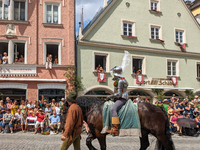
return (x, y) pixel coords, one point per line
(105, 3)
(188, 3)
(80, 35)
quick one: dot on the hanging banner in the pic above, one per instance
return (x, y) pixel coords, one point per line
(139, 79)
(174, 80)
(101, 77)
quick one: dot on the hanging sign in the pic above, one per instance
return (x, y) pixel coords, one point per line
(139, 79)
(174, 80)
(101, 77)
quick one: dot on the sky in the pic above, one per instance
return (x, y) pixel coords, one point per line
(90, 8)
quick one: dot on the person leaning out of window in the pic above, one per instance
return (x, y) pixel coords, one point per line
(49, 62)
(5, 58)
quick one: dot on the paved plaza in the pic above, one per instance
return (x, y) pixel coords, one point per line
(30, 141)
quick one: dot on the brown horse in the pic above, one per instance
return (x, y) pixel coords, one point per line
(152, 118)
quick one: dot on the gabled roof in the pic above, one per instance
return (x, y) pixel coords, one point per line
(102, 10)
(195, 4)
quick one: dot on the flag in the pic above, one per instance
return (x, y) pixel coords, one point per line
(6, 2)
(182, 46)
(101, 77)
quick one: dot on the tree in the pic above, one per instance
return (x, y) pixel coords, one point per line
(189, 94)
(74, 81)
(159, 93)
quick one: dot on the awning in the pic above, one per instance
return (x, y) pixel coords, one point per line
(27, 79)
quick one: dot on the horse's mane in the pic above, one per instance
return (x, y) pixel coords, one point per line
(86, 103)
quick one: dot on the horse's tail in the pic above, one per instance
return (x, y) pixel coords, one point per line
(167, 133)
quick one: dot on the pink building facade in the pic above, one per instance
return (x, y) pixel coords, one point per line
(30, 30)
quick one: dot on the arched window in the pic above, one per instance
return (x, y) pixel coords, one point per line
(100, 93)
(170, 93)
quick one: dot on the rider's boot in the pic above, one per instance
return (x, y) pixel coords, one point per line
(115, 129)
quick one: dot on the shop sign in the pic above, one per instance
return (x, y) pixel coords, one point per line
(18, 71)
(159, 82)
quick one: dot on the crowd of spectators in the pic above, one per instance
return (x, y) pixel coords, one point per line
(17, 116)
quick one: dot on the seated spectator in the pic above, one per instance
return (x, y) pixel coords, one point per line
(197, 120)
(31, 114)
(24, 122)
(17, 119)
(5, 58)
(57, 109)
(40, 120)
(7, 119)
(14, 108)
(49, 62)
(134, 70)
(55, 121)
(173, 121)
(23, 107)
(1, 118)
(2, 107)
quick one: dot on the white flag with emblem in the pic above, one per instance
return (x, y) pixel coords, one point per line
(6, 2)
(139, 78)
(101, 76)
(174, 80)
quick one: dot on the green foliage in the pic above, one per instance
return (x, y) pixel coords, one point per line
(159, 93)
(73, 80)
(189, 94)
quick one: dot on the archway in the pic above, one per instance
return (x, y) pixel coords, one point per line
(169, 94)
(143, 94)
(100, 93)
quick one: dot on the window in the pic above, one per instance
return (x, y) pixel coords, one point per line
(155, 32)
(179, 36)
(19, 10)
(3, 50)
(19, 49)
(52, 13)
(137, 65)
(100, 61)
(3, 11)
(52, 49)
(198, 70)
(171, 68)
(154, 5)
(127, 29)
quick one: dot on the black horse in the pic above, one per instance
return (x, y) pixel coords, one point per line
(153, 120)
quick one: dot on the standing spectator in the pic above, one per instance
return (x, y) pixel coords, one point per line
(62, 102)
(138, 99)
(7, 119)
(1, 118)
(198, 106)
(5, 58)
(170, 110)
(8, 103)
(146, 100)
(31, 114)
(74, 122)
(23, 107)
(2, 107)
(55, 122)
(53, 104)
(14, 107)
(26, 102)
(30, 105)
(196, 98)
(180, 106)
(193, 114)
(188, 109)
(24, 122)
(48, 112)
(17, 119)
(57, 109)
(40, 120)
(165, 104)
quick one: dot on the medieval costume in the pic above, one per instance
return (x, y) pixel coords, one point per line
(120, 95)
(74, 122)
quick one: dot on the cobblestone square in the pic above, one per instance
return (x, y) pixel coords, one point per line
(30, 141)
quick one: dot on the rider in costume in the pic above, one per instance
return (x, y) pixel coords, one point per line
(120, 95)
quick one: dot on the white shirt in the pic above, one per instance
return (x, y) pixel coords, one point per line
(5, 62)
(57, 109)
(30, 106)
(18, 116)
